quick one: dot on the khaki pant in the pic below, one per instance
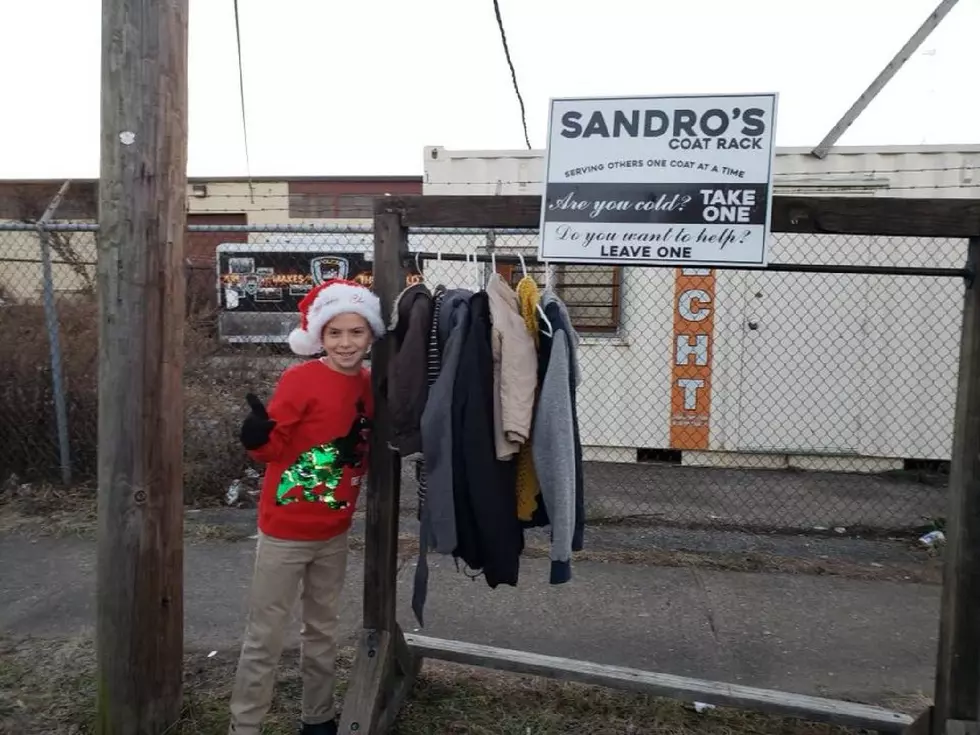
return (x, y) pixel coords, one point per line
(282, 569)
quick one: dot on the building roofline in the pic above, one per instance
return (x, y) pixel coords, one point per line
(240, 179)
(843, 150)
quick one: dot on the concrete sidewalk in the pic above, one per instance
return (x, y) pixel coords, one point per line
(809, 634)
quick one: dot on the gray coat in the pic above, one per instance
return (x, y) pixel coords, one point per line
(437, 529)
(553, 443)
(437, 435)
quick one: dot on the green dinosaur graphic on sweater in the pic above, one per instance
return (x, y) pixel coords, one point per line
(317, 472)
(313, 477)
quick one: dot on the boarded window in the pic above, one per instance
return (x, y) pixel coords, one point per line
(592, 293)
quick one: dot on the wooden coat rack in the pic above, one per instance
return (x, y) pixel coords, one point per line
(387, 661)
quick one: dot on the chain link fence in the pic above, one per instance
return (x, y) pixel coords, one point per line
(719, 398)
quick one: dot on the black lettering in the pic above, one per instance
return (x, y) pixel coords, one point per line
(570, 124)
(631, 125)
(596, 126)
(684, 123)
(754, 122)
(649, 131)
(717, 129)
(656, 123)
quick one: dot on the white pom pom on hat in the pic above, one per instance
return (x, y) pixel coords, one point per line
(326, 301)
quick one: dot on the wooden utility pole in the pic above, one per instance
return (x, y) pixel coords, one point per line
(957, 696)
(142, 221)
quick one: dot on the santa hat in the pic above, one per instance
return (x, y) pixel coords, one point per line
(329, 299)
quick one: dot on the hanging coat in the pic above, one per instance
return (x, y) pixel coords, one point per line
(556, 442)
(437, 434)
(408, 386)
(515, 370)
(437, 529)
(557, 312)
(488, 533)
(433, 366)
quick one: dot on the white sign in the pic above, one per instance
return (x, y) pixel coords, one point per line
(683, 180)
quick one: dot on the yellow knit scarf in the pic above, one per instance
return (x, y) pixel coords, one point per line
(527, 478)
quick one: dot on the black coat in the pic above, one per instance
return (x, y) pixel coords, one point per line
(488, 533)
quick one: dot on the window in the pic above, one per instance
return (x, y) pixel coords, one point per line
(592, 293)
(332, 206)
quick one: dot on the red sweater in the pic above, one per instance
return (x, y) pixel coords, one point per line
(307, 493)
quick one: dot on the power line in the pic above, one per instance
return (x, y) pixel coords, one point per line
(513, 73)
(241, 94)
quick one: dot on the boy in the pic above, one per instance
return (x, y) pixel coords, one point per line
(313, 439)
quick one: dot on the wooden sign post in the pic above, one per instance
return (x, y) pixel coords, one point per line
(384, 669)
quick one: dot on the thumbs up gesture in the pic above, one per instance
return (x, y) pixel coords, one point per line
(257, 426)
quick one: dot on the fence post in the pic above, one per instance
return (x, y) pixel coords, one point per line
(957, 694)
(54, 338)
(384, 668)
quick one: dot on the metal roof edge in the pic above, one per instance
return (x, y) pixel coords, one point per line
(780, 150)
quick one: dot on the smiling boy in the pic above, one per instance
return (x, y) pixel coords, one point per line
(313, 440)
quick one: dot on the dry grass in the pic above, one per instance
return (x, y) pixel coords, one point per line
(48, 511)
(52, 512)
(46, 686)
(214, 389)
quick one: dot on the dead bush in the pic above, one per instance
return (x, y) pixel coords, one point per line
(214, 405)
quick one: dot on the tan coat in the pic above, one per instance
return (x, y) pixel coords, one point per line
(515, 370)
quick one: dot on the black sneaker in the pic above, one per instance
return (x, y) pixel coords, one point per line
(322, 728)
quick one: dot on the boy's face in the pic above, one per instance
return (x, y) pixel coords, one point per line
(346, 339)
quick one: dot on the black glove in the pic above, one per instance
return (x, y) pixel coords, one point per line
(257, 426)
(350, 448)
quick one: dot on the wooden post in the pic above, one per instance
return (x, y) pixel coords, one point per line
(957, 696)
(142, 221)
(384, 669)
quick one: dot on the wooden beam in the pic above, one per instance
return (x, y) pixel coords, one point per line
(884, 77)
(957, 695)
(922, 725)
(896, 216)
(370, 679)
(669, 686)
(384, 473)
(142, 220)
(381, 677)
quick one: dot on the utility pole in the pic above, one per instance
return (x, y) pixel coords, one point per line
(142, 222)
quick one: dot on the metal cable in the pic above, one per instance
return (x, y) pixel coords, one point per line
(513, 73)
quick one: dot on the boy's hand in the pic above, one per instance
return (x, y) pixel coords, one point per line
(257, 426)
(350, 448)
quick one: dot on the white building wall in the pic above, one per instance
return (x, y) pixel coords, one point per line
(843, 372)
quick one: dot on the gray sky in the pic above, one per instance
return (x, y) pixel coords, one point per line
(359, 86)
